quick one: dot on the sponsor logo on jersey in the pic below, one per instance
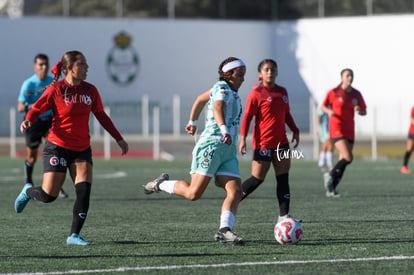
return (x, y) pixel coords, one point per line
(205, 163)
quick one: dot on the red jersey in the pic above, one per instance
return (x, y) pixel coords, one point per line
(270, 108)
(411, 129)
(342, 103)
(71, 106)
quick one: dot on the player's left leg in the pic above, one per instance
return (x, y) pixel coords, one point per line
(48, 192)
(345, 158)
(31, 156)
(259, 171)
(189, 190)
(205, 162)
(321, 160)
(260, 167)
(329, 154)
(81, 173)
(33, 138)
(54, 172)
(229, 207)
(281, 167)
(407, 155)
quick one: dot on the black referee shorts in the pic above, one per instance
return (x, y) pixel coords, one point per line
(35, 133)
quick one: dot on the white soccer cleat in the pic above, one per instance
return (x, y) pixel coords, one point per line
(229, 238)
(332, 194)
(154, 186)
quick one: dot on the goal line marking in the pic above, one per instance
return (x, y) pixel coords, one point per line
(170, 267)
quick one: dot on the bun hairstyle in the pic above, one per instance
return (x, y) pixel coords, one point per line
(67, 61)
(225, 73)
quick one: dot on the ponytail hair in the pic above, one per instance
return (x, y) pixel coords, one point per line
(57, 71)
(67, 61)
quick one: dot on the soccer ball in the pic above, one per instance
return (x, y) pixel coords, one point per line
(288, 231)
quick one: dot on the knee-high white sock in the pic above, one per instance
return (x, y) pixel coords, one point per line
(227, 219)
(321, 161)
(329, 160)
(168, 186)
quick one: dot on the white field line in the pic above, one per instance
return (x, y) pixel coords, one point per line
(170, 267)
(105, 176)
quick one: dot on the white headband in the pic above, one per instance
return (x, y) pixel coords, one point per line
(232, 65)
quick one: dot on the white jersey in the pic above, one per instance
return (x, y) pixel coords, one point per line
(232, 113)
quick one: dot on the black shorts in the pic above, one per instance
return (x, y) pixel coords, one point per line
(34, 133)
(58, 159)
(410, 136)
(341, 138)
(269, 153)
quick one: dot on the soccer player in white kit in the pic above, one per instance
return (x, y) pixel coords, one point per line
(215, 154)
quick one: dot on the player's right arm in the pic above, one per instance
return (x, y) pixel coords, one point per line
(24, 97)
(21, 107)
(196, 110)
(218, 113)
(24, 125)
(412, 116)
(251, 109)
(325, 106)
(43, 104)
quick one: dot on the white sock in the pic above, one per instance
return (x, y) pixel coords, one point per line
(168, 186)
(321, 159)
(227, 219)
(329, 160)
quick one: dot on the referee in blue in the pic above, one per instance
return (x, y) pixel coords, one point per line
(31, 90)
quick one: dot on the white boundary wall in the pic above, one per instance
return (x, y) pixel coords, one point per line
(378, 49)
(181, 57)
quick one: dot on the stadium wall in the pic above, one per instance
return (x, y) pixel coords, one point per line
(181, 57)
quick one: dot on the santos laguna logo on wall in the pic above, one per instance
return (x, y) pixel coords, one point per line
(122, 61)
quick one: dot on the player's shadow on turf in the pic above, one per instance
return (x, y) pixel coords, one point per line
(261, 242)
(392, 221)
(162, 197)
(98, 256)
(324, 242)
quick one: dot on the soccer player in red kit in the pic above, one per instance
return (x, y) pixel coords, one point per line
(268, 103)
(68, 144)
(410, 145)
(341, 104)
